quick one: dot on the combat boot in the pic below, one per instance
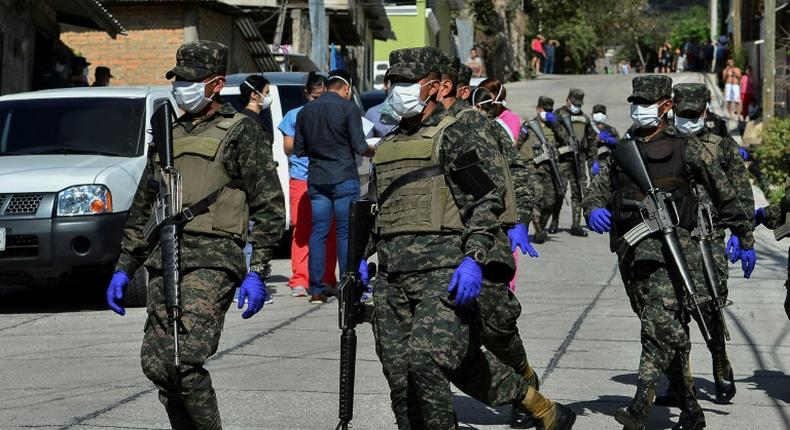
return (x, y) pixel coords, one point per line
(520, 417)
(691, 415)
(634, 415)
(722, 375)
(553, 228)
(540, 237)
(549, 415)
(576, 230)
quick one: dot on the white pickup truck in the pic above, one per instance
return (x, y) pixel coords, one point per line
(70, 162)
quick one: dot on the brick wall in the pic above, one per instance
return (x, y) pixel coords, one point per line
(145, 54)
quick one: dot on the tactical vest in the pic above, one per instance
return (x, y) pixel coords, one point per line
(199, 158)
(666, 163)
(529, 152)
(422, 206)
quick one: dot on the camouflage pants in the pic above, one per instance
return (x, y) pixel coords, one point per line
(568, 171)
(664, 324)
(548, 198)
(187, 393)
(499, 310)
(424, 342)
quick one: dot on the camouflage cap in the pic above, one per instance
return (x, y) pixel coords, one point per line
(448, 64)
(199, 59)
(413, 63)
(464, 74)
(651, 88)
(576, 96)
(690, 97)
(546, 103)
(599, 109)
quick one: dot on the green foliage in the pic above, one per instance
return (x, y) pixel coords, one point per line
(774, 155)
(690, 24)
(580, 40)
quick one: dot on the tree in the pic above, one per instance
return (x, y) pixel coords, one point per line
(580, 41)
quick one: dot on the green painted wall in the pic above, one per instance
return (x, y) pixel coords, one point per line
(410, 31)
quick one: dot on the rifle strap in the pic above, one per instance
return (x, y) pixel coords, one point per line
(408, 178)
(202, 205)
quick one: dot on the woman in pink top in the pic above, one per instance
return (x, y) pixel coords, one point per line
(489, 98)
(538, 54)
(747, 92)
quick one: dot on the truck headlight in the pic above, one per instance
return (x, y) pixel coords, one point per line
(84, 200)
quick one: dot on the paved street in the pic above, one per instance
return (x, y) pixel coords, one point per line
(70, 364)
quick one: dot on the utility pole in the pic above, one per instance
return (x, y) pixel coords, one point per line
(736, 24)
(769, 62)
(714, 20)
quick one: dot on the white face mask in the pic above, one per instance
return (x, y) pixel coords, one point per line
(388, 115)
(574, 109)
(405, 99)
(266, 100)
(645, 116)
(191, 96)
(494, 101)
(689, 126)
(543, 115)
(599, 117)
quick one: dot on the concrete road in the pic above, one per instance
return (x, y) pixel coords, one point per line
(69, 364)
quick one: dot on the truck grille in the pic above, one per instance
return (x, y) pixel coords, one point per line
(20, 204)
(22, 245)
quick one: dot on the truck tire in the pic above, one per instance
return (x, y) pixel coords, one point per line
(136, 291)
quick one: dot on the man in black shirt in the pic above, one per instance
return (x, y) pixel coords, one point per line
(329, 132)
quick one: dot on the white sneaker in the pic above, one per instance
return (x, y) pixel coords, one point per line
(298, 291)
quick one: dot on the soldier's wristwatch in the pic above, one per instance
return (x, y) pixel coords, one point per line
(478, 255)
(263, 271)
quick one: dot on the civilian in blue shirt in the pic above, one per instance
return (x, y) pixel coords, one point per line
(329, 132)
(301, 217)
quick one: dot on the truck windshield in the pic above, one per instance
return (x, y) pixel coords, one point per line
(101, 125)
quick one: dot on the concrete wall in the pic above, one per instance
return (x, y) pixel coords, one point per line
(19, 22)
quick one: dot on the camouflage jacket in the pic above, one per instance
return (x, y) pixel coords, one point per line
(587, 143)
(773, 219)
(526, 197)
(704, 173)
(724, 151)
(482, 232)
(247, 158)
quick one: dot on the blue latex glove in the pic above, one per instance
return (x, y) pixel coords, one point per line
(551, 118)
(116, 291)
(519, 238)
(748, 261)
(607, 138)
(744, 154)
(253, 291)
(759, 216)
(596, 168)
(733, 249)
(600, 220)
(466, 282)
(364, 275)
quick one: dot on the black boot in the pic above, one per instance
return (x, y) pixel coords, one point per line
(553, 228)
(521, 418)
(667, 399)
(722, 374)
(691, 415)
(564, 419)
(578, 231)
(540, 237)
(634, 415)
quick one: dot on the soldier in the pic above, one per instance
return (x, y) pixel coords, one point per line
(606, 138)
(774, 217)
(499, 308)
(689, 104)
(529, 147)
(441, 202)
(585, 136)
(214, 147)
(659, 303)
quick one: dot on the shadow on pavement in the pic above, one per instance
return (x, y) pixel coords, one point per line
(472, 412)
(776, 384)
(67, 296)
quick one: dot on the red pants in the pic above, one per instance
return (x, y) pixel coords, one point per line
(301, 224)
(746, 100)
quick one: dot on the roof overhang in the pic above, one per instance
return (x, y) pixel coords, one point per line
(379, 21)
(87, 13)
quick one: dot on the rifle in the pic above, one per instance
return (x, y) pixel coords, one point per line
(783, 230)
(548, 155)
(573, 143)
(352, 310)
(704, 234)
(656, 217)
(166, 210)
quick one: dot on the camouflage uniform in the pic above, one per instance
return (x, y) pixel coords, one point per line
(543, 185)
(602, 152)
(211, 267)
(722, 151)
(586, 136)
(659, 303)
(422, 338)
(775, 217)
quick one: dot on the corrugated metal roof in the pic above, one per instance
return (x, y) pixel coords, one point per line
(87, 13)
